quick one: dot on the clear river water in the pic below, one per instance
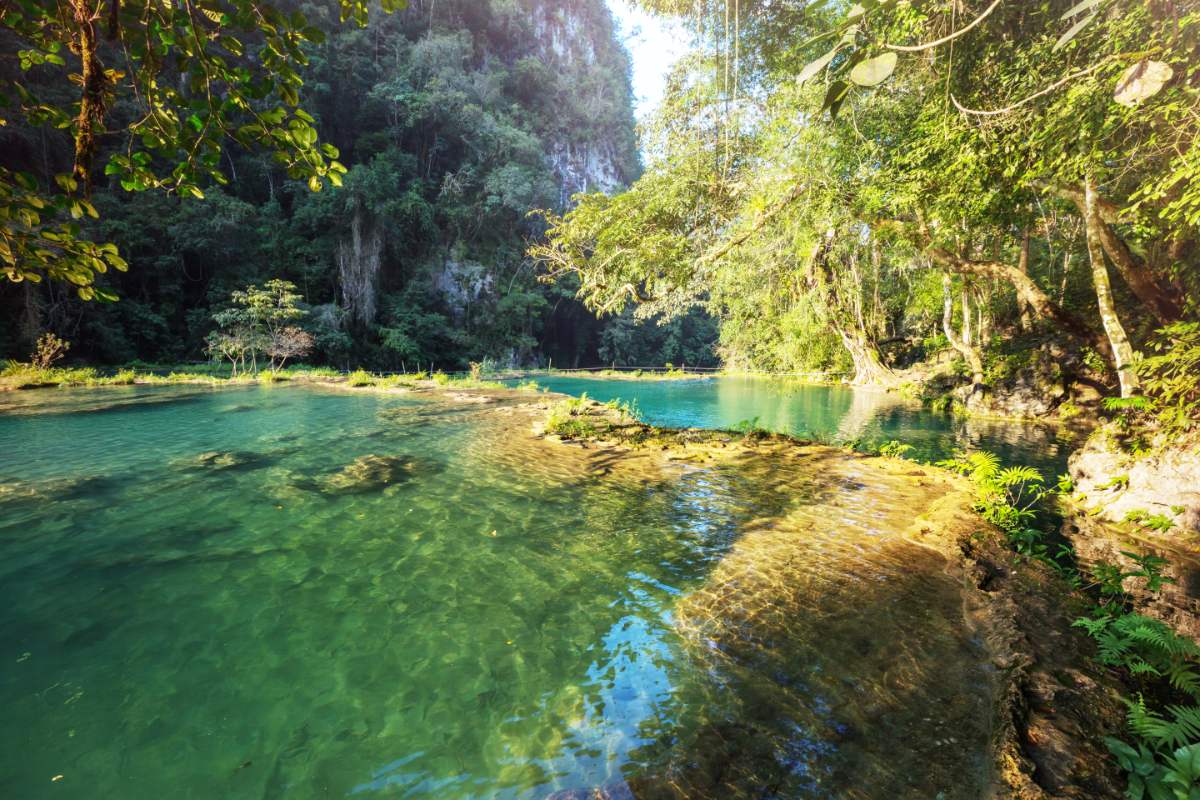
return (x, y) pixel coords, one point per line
(291, 592)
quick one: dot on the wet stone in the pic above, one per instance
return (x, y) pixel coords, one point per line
(218, 460)
(370, 473)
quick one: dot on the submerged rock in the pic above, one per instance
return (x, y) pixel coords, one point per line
(66, 488)
(370, 473)
(218, 460)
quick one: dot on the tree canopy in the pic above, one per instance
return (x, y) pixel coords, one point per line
(860, 184)
(164, 85)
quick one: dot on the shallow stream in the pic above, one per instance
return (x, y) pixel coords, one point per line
(296, 592)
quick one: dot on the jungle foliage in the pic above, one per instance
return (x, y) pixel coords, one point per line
(384, 163)
(863, 186)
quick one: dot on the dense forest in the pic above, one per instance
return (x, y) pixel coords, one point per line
(1009, 189)
(454, 121)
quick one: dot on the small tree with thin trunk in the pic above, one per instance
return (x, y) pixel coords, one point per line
(49, 349)
(260, 321)
(289, 342)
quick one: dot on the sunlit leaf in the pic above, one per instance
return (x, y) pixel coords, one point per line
(813, 67)
(1079, 8)
(874, 71)
(1074, 30)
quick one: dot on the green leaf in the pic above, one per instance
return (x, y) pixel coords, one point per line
(1073, 30)
(834, 97)
(813, 67)
(874, 71)
(1079, 8)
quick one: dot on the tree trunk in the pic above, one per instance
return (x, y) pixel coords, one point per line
(1023, 266)
(1137, 276)
(868, 369)
(1121, 349)
(962, 345)
(965, 293)
(91, 101)
(1027, 291)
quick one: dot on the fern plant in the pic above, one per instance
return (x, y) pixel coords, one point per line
(1164, 763)
(894, 449)
(1180, 726)
(1145, 647)
(1007, 497)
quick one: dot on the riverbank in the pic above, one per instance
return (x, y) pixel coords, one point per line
(17, 377)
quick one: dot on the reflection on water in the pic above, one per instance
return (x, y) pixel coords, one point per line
(836, 413)
(285, 592)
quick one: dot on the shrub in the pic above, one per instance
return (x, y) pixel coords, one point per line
(360, 378)
(569, 420)
(894, 449)
(49, 350)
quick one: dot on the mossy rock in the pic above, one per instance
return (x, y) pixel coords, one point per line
(220, 460)
(370, 473)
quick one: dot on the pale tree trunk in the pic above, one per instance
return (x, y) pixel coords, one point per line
(1141, 280)
(1023, 266)
(1027, 291)
(868, 369)
(1066, 272)
(1122, 350)
(984, 325)
(966, 314)
(962, 345)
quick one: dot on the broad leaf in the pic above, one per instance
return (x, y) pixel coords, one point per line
(813, 67)
(1079, 8)
(874, 71)
(835, 97)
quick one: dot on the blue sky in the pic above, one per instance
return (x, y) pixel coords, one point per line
(655, 44)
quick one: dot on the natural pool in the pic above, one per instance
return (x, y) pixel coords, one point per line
(296, 592)
(829, 413)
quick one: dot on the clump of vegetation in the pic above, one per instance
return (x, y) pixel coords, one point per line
(48, 351)
(750, 428)
(1007, 497)
(360, 378)
(894, 449)
(1155, 522)
(569, 419)
(627, 410)
(1169, 410)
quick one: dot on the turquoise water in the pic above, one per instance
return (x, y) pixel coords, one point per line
(836, 413)
(288, 592)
